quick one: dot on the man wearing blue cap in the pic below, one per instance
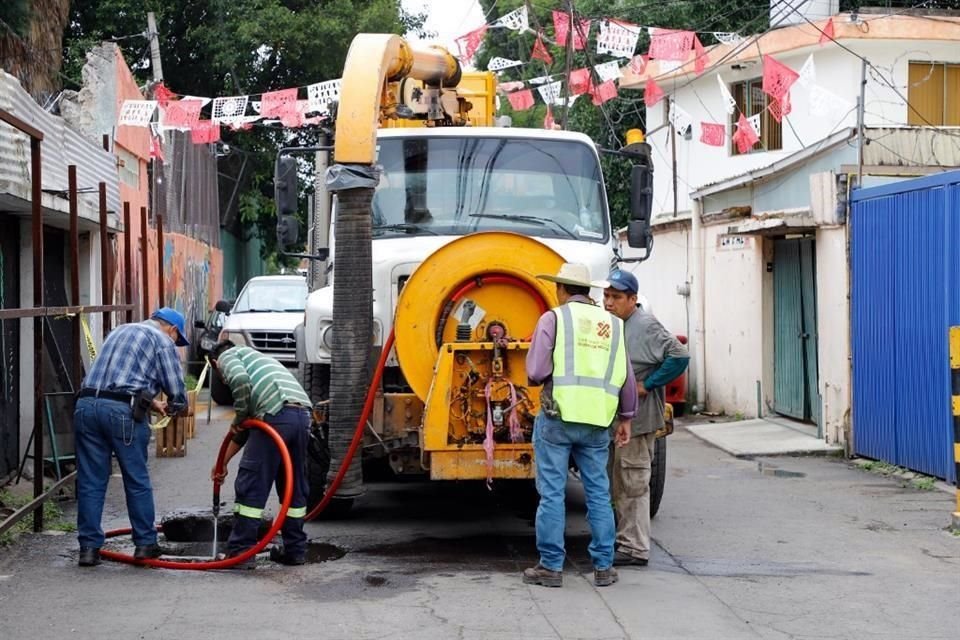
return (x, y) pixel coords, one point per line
(137, 362)
(657, 357)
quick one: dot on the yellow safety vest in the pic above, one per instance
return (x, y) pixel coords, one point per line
(589, 364)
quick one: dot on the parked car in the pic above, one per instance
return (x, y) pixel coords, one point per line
(264, 317)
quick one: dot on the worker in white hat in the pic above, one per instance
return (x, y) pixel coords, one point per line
(579, 355)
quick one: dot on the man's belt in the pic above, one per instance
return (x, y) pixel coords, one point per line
(125, 398)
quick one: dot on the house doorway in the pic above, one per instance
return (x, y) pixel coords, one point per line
(795, 329)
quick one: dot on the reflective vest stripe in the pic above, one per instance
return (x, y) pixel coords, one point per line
(569, 378)
(297, 512)
(247, 512)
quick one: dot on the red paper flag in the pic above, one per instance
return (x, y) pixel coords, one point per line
(163, 95)
(469, 43)
(292, 114)
(652, 93)
(745, 137)
(668, 44)
(181, 114)
(580, 82)
(828, 32)
(561, 29)
(699, 56)
(276, 103)
(156, 147)
(638, 64)
(540, 51)
(777, 77)
(548, 121)
(780, 108)
(521, 100)
(604, 92)
(205, 132)
(713, 134)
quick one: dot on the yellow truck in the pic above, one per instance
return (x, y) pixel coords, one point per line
(430, 224)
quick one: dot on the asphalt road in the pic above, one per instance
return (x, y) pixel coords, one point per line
(836, 553)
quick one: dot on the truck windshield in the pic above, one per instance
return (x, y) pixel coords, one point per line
(272, 295)
(455, 186)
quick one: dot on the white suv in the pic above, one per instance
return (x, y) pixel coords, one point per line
(264, 316)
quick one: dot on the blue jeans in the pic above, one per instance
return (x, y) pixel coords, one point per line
(103, 427)
(553, 442)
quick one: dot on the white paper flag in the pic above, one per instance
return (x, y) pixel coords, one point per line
(755, 123)
(569, 101)
(728, 38)
(225, 109)
(824, 103)
(608, 71)
(808, 73)
(617, 38)
(321, 94)
(550, 92)
(679, 118)
(137, 113)
(728, 102)
(516, 20)
(499, 64)
(540, 79)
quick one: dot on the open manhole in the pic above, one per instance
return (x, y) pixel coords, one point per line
(187, 534)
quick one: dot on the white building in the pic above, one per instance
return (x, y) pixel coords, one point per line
(750, 254)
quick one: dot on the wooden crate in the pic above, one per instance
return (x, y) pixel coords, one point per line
(171, 440)
(190, 419)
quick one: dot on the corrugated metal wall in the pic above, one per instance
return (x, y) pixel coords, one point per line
(905, 267)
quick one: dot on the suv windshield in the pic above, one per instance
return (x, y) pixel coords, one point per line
(272, 295)
(455, 186)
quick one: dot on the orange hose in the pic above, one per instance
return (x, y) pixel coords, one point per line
(226, 563)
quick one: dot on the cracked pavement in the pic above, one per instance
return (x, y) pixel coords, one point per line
(838, 553)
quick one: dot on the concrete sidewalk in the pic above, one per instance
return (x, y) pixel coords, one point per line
(763, 437)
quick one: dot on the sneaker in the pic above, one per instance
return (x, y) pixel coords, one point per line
(89, 557)
(282, 557)
(543, 576)
(621, 559)
(605, 577)
(147, 552)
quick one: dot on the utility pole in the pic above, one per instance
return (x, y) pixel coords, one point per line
(860, 105)
(569, 64)
(157, 69)
(154, 48)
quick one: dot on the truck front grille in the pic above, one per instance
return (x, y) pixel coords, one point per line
(273, 341)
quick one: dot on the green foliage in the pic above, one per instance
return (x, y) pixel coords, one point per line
(52, 514)
(15, 14)
(231, 47)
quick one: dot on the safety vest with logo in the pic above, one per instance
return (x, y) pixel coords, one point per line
(589, 364)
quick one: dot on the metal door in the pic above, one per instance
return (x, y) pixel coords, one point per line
(795, 329)
(9, 347)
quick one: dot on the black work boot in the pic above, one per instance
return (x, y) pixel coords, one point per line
(147, 552)
(542, 576)
(280, 556)
(89, 557)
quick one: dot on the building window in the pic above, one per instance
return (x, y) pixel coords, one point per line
(751, 100)
(129, 168)
(934, 94)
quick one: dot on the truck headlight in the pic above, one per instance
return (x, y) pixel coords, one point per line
(233, 336)
(326, 337)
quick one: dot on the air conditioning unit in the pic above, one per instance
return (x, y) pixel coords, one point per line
(784, 13)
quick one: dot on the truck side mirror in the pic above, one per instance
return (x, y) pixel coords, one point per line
(641, 206)
(286, 196)
(223, 306)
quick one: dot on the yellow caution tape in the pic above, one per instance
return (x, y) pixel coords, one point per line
(162, 423)
(88, 338)
(203, 376)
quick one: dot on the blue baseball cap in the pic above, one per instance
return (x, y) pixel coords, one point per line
(623, 281)
(174, 317)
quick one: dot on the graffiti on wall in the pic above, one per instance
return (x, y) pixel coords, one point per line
(191, 273)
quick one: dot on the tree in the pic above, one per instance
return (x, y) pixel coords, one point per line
(237, 47)
(30, 40)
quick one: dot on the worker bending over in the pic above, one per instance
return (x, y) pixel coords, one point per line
(264, 389)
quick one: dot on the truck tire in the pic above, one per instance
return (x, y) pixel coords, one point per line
(658, 474)
(316, 382)
(219, 391)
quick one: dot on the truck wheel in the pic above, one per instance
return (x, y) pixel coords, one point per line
(219, 391)
(658, 474)
(316, 382)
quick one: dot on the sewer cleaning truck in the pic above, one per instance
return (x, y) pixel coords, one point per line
(428, 228)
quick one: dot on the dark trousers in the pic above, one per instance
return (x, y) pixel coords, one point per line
(260, 467)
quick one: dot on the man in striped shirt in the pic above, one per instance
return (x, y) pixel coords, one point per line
(264, 389)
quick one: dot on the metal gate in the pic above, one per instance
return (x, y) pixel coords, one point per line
(905, 276)
(795, 322)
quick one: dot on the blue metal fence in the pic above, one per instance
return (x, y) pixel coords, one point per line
(905, 273)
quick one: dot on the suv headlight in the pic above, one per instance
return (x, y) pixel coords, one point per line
(233, 336)
(326, 337)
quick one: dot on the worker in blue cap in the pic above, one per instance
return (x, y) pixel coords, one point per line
(136, 363)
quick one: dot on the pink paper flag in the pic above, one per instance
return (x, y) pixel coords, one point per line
(777, 77)
(745, 137)
(699, 56)
(828, 32)
(652, 93)
(604, 92)
(713, 134)
(561, 28)
(181, 114)
(470, 42)
(274, 104)
(205, 132)
(540, 51)
(669, 44)
(580, 82)
(521, 100)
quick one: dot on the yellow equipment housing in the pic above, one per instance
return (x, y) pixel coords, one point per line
(451, 309)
